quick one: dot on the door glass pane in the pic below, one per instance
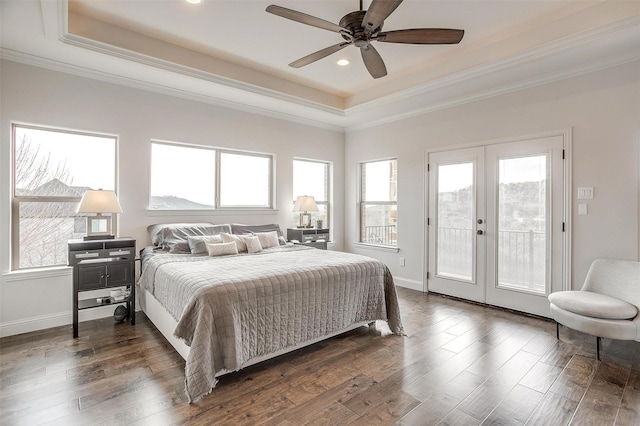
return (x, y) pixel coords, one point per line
(455, 212)
(522, 223)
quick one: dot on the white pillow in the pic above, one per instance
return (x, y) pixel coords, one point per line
(198, 243)
(268, 239)
(227, 238)
(252, 242)
(222, 249)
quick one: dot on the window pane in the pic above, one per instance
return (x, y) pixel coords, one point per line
(522, 223)
(55, 163)
(310, 178)
(245, 180)
(379, 214)
(379, 181)
(45, 228)
(182, 177)
(455, 205)
(378, 224)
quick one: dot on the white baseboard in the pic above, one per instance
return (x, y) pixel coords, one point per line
(11, 328)
(27, 325)
(406, 283)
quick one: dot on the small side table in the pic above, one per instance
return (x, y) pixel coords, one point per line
(102, 264)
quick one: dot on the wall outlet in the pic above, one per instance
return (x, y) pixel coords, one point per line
(402, 261)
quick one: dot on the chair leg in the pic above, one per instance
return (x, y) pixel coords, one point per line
(557, 330)
(598, 348)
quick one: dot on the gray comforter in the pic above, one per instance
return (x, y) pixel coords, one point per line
(231, 309)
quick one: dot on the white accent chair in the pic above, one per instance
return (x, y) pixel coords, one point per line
(608, 304)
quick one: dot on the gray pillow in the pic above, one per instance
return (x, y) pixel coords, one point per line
(173, 236)
(198, 243)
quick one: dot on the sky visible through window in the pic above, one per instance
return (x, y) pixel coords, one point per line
(70, 150)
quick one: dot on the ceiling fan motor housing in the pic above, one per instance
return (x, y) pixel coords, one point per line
(353, 22)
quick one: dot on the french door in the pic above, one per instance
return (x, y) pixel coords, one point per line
(496, 223)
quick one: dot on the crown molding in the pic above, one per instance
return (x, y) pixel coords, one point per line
(126, 81)
(558, 46)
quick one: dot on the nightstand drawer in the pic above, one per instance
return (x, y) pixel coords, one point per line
(80, 256)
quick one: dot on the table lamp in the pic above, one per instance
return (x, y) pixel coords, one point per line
(305, 204)
(99, 202)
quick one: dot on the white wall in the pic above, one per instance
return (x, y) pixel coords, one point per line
(601, 108)
(38, 96)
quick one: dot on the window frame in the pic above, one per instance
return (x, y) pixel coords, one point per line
(328, 190)
(16, 200)
(362, 203)
(216, 187)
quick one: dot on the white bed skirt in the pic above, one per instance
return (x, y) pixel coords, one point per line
(166, 324)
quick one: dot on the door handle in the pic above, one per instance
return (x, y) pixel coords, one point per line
(479, 232)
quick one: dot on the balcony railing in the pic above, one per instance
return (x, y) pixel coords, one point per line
(384, 235)
(520, 257)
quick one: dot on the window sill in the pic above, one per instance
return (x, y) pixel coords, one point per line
(39, 273)
(388, 249)
(212, 212)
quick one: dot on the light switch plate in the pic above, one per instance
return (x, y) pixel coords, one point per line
(582, 209)
(585, 193)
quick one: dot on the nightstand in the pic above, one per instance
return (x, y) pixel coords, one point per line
(102, 264)
(322, 245)
(312, 237)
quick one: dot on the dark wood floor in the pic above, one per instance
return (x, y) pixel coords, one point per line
(459, 364)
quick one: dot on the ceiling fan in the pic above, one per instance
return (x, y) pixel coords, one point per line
(361, 27)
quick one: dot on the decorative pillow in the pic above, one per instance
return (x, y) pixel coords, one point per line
(268, 239)
(227, 238)
(222, 249)
(252, 242)
(198, 244)
(238, 228)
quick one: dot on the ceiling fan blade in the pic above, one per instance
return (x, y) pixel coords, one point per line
(422, 36)
(373, 61)
(319, 55)
(305, 19)
(377, 13)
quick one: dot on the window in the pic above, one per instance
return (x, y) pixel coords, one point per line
(52, 169)
(189, 177)
(245, 180)
(313, 178)
(182, 177)
(378, 202)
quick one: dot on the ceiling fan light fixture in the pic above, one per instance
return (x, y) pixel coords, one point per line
(343, 62)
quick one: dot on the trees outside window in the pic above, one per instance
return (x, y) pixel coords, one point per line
(378, 202)
(52, 169)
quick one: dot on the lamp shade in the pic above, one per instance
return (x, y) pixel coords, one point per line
(305, 203)
(99, 201)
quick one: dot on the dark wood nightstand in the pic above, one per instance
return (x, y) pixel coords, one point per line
(312, 237)
(102, 264)
(322, 245)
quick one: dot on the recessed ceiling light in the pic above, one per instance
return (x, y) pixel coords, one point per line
(343, 62)
(194, 1)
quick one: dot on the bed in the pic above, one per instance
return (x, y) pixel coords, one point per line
(225, 312)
